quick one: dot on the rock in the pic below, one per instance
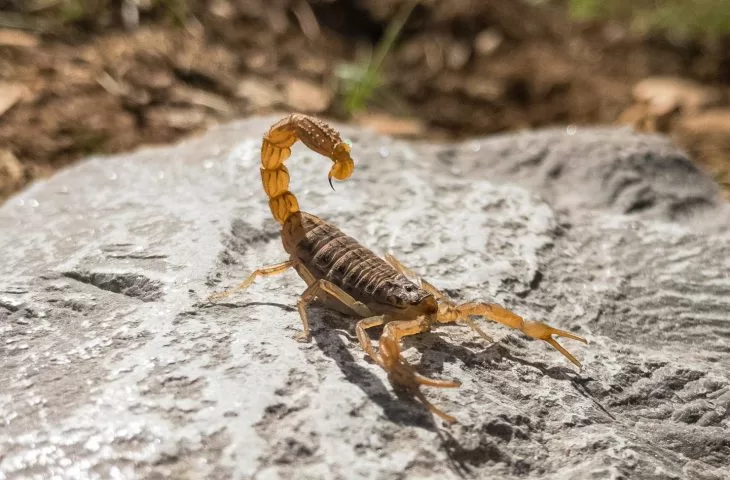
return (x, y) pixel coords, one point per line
(591, 170)
(458, 55)
(485, 88)
(114, 364)
(488, 41)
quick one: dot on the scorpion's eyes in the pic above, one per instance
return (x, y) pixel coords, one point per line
(394, 300)
(410, 288)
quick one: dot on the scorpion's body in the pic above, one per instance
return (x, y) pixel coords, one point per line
(324, 252)
(350, 278)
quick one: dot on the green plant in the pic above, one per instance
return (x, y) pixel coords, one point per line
(72, 11)
(678, 18)
(361, 80)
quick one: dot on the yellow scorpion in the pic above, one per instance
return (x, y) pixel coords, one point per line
(351, 279)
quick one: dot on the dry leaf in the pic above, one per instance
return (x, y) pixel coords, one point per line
(17, 38)
(306, 96)
(259, 93)
(12, 173)
(665, 94)
(10, 94)
(390, 125)
(712, 121)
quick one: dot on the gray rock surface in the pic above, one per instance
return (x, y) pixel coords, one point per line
(115, 366)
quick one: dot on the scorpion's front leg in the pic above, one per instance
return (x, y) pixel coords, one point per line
(449, 312)
(389, 357)
(536, 330)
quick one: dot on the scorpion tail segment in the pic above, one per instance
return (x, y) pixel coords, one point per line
(343, 166)
(276, 185)
(272, 154)
(536, 330)
(276, 148)
(275, 176)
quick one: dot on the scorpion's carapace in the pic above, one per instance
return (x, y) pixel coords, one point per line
(348, 277)
(276, 148)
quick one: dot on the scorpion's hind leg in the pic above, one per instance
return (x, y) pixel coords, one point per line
(444, 301)
(399, 371)
(261, 272)
(536, 330)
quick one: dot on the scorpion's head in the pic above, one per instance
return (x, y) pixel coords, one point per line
(406, 297)
(344, 165)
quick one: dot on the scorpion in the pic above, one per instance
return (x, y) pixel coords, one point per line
(347, 277)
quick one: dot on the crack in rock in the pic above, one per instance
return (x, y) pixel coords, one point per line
(132, 285)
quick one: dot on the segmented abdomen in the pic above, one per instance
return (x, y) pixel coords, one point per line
(330, 254)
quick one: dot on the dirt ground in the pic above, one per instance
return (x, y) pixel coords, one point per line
(459, 68)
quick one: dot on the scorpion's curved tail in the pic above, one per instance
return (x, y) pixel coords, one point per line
(276, 148)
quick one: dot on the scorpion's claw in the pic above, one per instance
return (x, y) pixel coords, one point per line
(496, 313)
(541, 331)
(405, 377)
(402, 375)
(433, 409)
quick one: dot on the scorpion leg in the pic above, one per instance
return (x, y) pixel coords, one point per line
(261, 272)
(328, 292)
(536, 330)
(363, 337)
(439, 295)
(400, 372)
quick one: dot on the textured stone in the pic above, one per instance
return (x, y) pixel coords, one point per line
(115, 365)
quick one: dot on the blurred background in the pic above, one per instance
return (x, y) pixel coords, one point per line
(79, 77)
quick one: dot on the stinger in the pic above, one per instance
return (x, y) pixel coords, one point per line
(276, 148)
